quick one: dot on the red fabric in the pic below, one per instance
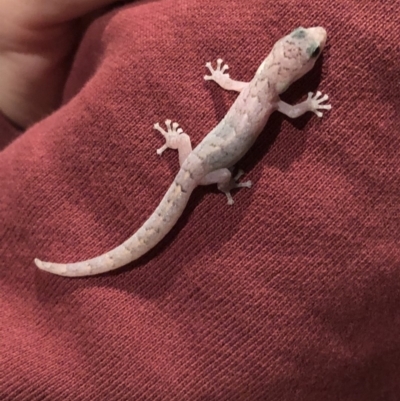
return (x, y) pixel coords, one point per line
(291, 294)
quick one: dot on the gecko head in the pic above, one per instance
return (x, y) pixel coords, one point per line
(297, 53)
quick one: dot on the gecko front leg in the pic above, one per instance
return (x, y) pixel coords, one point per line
(223, 178)
(175, 138)
(222, 79)
(312, 103)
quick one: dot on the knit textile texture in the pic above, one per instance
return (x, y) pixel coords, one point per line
(293, 293)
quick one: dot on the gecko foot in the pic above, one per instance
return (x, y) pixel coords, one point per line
(233, 184)
(315, 103)
(236, 184)
(171, 136)
(218, 73)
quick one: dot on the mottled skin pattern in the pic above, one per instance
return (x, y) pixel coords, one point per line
(211, 161)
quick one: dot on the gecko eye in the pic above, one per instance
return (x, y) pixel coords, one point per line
(315, 53)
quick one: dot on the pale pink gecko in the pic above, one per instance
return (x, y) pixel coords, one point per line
(212, 160)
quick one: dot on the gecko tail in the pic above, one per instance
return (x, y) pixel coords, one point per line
(55, 268)
(150, 234)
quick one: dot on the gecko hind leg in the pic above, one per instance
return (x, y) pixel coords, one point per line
(175, 138)
(223, 178)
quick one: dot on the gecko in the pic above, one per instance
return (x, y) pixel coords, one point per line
(213, 159)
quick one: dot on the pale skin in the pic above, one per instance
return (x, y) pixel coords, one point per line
(37, 43)
(211, 161)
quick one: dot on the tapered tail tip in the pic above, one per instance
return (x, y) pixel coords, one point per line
(39, 264)
(55, 268)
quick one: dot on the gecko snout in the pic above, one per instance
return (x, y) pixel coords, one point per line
(319, 34)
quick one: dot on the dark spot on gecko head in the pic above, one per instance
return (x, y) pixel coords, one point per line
(313, 51)
(316, 52)
(299, 33)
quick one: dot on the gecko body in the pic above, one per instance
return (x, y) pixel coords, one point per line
(211, 161)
